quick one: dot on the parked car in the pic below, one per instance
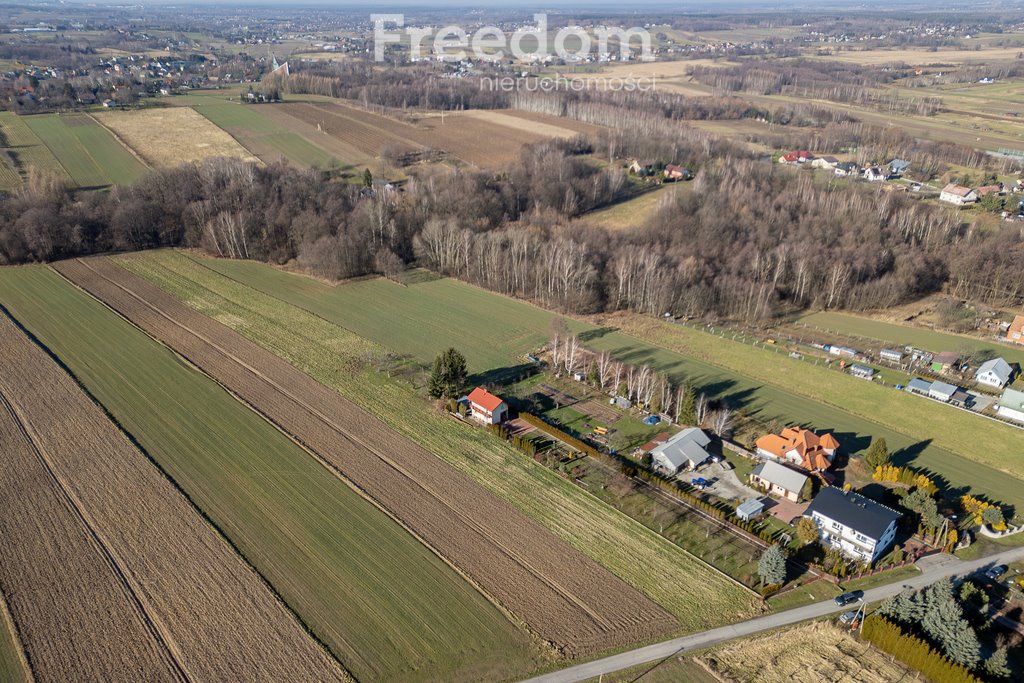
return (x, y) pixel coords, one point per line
(848, 618)
(994, 573)
(847, 598)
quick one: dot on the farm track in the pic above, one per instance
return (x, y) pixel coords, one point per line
(561, 594)
(217, 618)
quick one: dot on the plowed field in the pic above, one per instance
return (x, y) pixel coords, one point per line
(125, 580)
(564, 596)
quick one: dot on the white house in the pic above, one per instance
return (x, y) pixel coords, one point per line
(995, 373)
(779, 480)
(687, 449)
(874, 174)
(958, 194)
(862, 371)
(487, 407)
(853, 524)
(1011, 405)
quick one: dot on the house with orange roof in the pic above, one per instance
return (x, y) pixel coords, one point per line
(801, 447)
(1016, 332)
(487, 407)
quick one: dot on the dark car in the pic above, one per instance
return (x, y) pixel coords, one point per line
(849, 618)
(847, 598)
(994, 573)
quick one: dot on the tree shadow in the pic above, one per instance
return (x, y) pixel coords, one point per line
(596, 333)
(503, 376)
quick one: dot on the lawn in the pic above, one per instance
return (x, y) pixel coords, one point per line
(430, 314)
(92, 156)
(264, 137)
(384, 604)
(903, 335)
(691, 590)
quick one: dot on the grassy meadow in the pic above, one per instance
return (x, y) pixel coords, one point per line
(383, 603)
(697, 594)
(899, 336)
(30, 151)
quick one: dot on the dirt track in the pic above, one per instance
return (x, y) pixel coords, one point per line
(110, 573)
(561, 594)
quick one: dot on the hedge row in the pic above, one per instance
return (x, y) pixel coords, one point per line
(914, 652)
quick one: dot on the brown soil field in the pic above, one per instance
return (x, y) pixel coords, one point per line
(171, 136)
(184, 586)
(76, 617)
(563, 596)
(485, 139)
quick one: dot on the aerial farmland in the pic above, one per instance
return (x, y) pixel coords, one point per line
(632, 344)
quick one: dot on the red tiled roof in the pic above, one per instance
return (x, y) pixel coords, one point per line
(485, 399)
(812, 449)
(958, 190)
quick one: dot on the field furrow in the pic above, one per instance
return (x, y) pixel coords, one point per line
(216, 615)
(75, 616)
(564, 596)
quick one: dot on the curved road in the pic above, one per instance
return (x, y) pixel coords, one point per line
(932, 568)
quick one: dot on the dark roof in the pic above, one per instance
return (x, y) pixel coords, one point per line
(854, 511)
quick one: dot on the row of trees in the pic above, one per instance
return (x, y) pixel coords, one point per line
(646, 387)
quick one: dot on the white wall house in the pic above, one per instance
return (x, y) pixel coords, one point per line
(958, 194)
(995, 373)
(487, 407)
(857, 526)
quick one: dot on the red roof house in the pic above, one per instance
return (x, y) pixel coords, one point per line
(487, 407)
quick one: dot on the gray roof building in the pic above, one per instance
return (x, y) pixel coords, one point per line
(776, 473)
(853, 511)
(688, 448)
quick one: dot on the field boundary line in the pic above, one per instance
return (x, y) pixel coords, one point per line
(75, 507)
(334, 472)
(167, 475)
(467, 520)
(7, 623)
(657, 536)
(124, 144)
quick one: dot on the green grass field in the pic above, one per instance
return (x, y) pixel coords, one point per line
(385, 604)
(30, 151)
(494, 331)
(903, 335)
(12, 662)
(421, 319)
(263, 137)
(695, 593)
(966, 450)
(86, 150)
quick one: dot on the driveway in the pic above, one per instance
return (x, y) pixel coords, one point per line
(931, 572)
(727, 485)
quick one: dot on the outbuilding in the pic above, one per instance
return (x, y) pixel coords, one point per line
(891, 355)
(941, 391)
(862, 371)
(749, 509)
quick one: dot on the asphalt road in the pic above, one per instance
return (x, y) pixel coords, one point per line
(932, 569)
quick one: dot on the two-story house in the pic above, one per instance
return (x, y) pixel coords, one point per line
(853, 524)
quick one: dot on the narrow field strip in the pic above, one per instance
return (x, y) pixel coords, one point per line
(385, 604)
(565, 597)
(216, 615)
(14, 666)
(77, 618)
(694, 592)
(64, 145)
